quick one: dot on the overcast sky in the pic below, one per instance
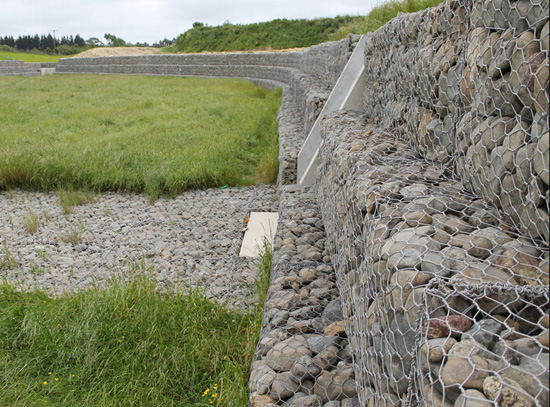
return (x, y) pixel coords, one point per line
(153, 20)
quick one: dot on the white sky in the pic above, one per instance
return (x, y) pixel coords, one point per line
(152, 20)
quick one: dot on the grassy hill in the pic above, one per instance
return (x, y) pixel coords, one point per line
(380, 15)
(276, 34)
(280, 34)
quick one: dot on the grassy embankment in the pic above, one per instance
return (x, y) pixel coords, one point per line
(280, 34)
(159, 135)
(125, 345)
(380, 15)
(30, 57)
(276, 34)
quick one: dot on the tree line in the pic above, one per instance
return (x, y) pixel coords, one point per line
(68, 44)
(45, 43)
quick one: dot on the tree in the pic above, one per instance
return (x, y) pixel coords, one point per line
(78, 40)
(114, 41)
(94, 42)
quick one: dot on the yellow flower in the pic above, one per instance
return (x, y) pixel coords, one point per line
(49, 373)
(205, 392)
(56, 379)
(45, 382)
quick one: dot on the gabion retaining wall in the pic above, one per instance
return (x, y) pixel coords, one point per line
(435, 203)
(19, 68)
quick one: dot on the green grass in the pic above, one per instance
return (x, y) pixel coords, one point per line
(126, 344)
(29, 57)
(380, 15)
(159, 135)
(276, 34)
(282, 33)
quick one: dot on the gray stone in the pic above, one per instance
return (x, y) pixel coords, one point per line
(350, 403)
(283, 386)
(318, 343)
(542, 157)
(280, 318)
(307, 401)
(333, 312)
(284, 354)
(264, 382)
(327, 358)
(436, 349)
(486, 332)
(469, 373)
(532, 375)
(334, 386)
(435, 398)
(305, 368)
(472, 398)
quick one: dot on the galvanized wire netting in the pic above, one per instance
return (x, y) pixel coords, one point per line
(436, 208)
(435, 204)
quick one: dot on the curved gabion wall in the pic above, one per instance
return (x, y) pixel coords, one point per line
(435, 204)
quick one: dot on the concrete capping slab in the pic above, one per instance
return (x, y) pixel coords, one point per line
(347, 94)
(261, 225)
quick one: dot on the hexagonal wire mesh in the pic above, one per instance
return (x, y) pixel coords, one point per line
(435, 202)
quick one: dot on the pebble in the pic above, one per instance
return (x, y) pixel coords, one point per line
(305, 340)
(185, 246)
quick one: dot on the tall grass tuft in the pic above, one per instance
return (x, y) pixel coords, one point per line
(126, 344)
(69, 198)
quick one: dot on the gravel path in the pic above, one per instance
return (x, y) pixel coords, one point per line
(191, 241)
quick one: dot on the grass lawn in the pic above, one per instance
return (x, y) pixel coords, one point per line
(27, 57)
(159, 135)
(125, 345)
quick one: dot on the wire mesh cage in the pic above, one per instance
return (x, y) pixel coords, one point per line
(435, 203)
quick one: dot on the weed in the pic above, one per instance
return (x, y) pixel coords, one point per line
(7, 260)
(75, 235)
(42, 254)
(69, 198)
(36, 269)
(31, 223)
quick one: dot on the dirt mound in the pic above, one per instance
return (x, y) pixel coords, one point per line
(121, 51)
(117, 51)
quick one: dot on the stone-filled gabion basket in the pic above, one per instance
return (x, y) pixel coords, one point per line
(435, 201)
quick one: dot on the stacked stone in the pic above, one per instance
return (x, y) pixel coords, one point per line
(467, 84)
(446, 305)
(303, 357)
(326, 61)
(309, 91)
(19, 68)
(291, 137)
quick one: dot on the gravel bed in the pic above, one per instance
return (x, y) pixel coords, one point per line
(190, 241)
